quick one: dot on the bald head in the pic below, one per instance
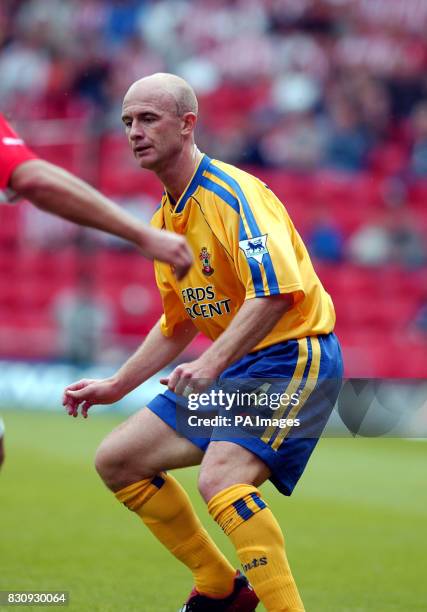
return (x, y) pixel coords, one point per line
(169, 89)
(159, 114)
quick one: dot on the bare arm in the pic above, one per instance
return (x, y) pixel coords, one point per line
(253, 322)
(154, 354)
(57, 191)
(255, 319)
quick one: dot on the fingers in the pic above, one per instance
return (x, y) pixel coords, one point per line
(183, 384)
(170, 248)
(179, 381)
(73, 396)
(85, 408)
(174, 379)
(183, 260)
(183, 380)
(71, 406)
(87, 393)
(181, 270)
(80, 384)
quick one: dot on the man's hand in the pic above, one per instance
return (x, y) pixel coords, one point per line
(87, 392)
(170, 248)
(192, 377)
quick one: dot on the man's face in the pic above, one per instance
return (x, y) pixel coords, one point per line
(153, 128)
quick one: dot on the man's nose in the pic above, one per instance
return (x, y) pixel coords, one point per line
(136, 131)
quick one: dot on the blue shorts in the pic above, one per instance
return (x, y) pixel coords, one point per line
(302, 376)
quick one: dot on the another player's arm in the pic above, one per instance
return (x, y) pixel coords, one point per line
(155, 353)
(57, 191)
(255, 319)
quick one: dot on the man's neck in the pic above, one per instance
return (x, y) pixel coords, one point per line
(177, 175)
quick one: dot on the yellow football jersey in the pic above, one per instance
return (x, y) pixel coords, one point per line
(245, 246)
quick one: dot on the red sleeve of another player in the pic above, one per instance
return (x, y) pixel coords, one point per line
(13, 151)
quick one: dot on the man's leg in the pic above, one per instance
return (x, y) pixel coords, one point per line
(131, 461)
(228, 479)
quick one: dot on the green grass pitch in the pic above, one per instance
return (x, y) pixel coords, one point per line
(355, 526)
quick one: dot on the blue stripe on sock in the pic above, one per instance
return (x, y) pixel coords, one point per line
(158, 482)
(259, 502)
(242, 509)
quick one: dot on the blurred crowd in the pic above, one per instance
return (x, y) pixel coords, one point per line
(296, 84)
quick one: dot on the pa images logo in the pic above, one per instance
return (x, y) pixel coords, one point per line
(255, 248)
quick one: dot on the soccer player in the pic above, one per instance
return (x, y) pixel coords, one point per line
(57, 191)
(255, 294)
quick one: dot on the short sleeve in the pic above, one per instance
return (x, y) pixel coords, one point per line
(13, 152)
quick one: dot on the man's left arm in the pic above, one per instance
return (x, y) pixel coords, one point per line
(255, 319)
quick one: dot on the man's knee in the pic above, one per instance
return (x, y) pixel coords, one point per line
(215, 476)
(106, 463)
(226, 464)
(117, 468)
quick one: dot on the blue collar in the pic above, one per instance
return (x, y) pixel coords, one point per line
(194, 183)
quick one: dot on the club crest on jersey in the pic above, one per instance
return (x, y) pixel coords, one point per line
(205, 258)
(255, 247)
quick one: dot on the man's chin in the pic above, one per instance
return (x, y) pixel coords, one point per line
(146, 163)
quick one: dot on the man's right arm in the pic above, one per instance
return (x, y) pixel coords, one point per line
(57, 191)
(154, 354)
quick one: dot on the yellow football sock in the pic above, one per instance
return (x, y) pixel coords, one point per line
(166, 509)
(259, 543)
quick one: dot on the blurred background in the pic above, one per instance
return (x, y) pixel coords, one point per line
(326, 100)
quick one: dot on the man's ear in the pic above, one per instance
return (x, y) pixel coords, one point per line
(188, 123)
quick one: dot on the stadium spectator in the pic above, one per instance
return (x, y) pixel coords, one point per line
(419, 323)
(347, 142)
(24, 70)
(370, 244)
(407, 243)
(418, 154)
(252, 299)
(325, 240)
(294, 142)
(84, 320)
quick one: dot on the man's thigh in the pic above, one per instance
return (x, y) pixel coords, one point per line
(145, 445)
